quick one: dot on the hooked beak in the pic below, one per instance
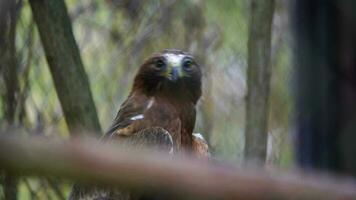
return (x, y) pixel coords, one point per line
(174, 74)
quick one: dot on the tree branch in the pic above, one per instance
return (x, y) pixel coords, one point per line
(86, 161)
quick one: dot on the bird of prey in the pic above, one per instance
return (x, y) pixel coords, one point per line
(159, 111)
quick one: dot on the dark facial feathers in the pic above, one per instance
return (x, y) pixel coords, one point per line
(172, 74)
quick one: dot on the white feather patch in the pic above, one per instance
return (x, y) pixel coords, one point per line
(171, 151)
(137, 117)
(150, 103)
(174, 59)
(199, 136)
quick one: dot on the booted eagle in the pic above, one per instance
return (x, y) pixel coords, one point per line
(159, 112)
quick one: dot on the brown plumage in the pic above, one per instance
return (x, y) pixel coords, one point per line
(164, 94)
(200, 146)
(159, 111)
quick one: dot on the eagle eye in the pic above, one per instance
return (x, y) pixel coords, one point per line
(187, 64)
(160, 64)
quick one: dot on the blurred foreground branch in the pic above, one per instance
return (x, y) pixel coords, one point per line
(87, 161)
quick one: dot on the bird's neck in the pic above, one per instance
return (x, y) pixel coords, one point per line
(179, 92)
(174, 97)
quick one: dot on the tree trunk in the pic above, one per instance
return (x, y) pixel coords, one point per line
(8, 65)
(325, 49)
(258, 80)
(62, 53)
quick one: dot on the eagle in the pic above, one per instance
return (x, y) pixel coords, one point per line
(159, 112)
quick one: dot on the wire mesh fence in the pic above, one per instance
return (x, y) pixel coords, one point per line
(114, 38)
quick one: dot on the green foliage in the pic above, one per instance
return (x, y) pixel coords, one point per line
(115, 38)
(113, 44)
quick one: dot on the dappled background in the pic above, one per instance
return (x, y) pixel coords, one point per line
(114, 38)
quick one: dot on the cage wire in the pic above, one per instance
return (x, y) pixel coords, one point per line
(114, 38)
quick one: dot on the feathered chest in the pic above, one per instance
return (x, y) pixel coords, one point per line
(139, 113)
(164, 115)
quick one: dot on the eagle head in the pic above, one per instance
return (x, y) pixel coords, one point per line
(171, 73)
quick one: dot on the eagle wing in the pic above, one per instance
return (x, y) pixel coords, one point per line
(134, 125)
(130, 111)
(130, 114)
